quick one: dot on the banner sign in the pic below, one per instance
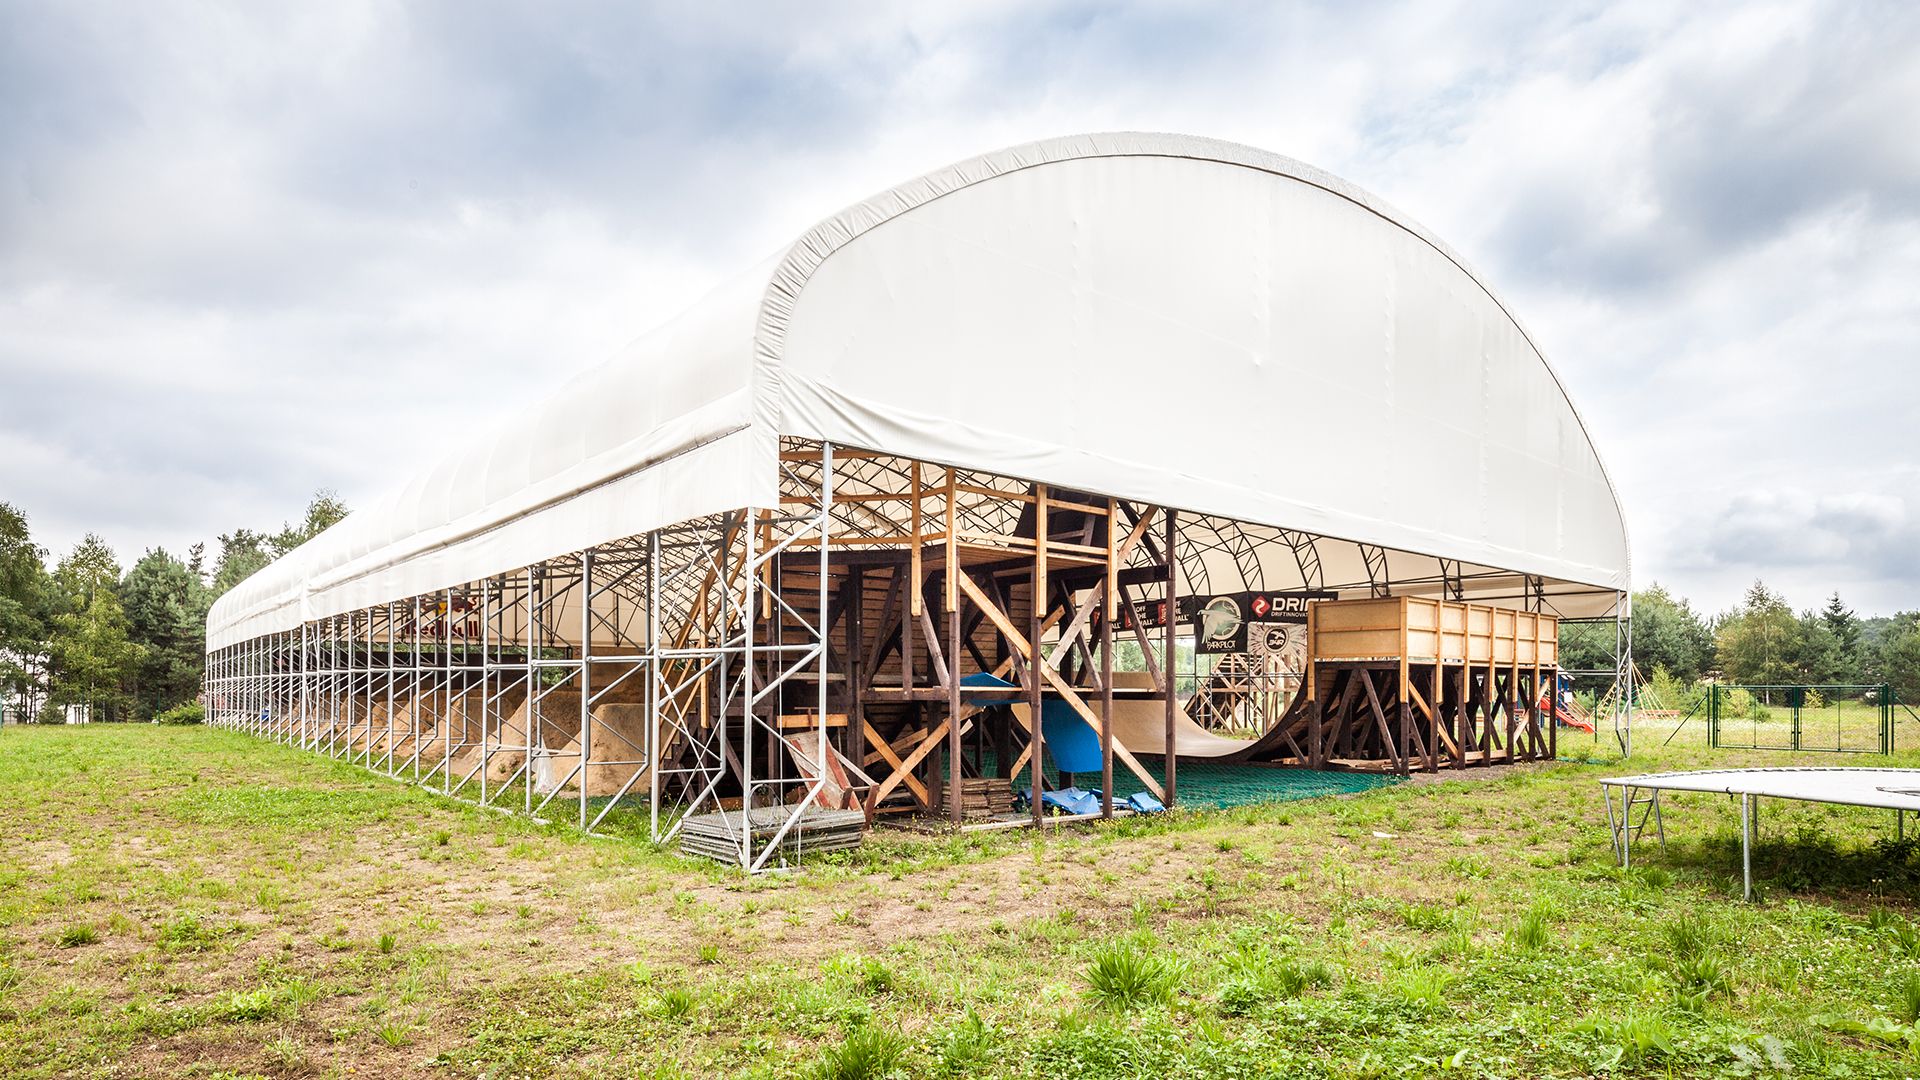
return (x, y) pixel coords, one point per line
(1222, 622)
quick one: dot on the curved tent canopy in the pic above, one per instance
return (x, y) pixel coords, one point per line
(1175, 320)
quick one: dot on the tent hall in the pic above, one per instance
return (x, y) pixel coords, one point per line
(1049, 471)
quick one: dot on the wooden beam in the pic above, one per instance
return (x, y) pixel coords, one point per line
(903, 771)
(942, 670)
(1110, 590)
(1060, 686)
(956, 787)
(1170, 761)
(889, 633)
(1037, 585)
(1380, 720)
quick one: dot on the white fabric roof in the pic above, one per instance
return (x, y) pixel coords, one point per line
(1172, 319)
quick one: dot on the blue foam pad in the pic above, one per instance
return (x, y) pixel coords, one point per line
(1070, 740)
(1072, 800)
(985, 679)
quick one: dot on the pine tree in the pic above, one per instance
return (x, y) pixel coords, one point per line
(166, 617)
(1844, 625)
(90, 659)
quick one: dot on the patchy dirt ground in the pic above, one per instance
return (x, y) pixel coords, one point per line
(196, 903)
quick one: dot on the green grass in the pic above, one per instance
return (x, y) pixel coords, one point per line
(185, 901)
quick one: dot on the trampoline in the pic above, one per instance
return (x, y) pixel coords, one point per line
(1887, 789)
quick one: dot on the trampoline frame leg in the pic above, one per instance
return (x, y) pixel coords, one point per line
(1746, 847)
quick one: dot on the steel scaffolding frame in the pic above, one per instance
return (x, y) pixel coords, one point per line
(631, 686)
(616, 682)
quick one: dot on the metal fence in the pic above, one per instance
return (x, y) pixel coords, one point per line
(1842, 719)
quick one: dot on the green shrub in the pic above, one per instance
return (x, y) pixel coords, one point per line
(186, 931)
(1123, 977)
(876, 977)
(1533, 931)
(1426, 918)
(1295, 977)
(241, 1005)
(1425, 987)
(1698, 978)
(80, 934)
(673, 1003)
(1906, 939)
(1690, 937)
(1631, 1039)
(191, 712)
(1241, 996)
(868, 1053)
(394, 1034)
(967, 1046)
(1907, 1001)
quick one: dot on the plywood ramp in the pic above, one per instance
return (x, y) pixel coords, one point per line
(1140, 725)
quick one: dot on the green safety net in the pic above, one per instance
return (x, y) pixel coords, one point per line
(1219, 785)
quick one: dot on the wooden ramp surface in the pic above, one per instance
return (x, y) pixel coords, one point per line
(1141, 727)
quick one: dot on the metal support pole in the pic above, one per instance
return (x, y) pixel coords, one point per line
(654, 680)
(749, 621)
(824, 619)
(1746, 847)
(586, 679)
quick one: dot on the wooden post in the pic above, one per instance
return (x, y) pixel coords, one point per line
(1316, 735)
(954, 783)
(1168, 761)
(1108, 596)
(916, 603)
(1316, 731)
(1400, 692)
(1035, 767)
(1433, 721)
(1462, 722)
(1513, 691)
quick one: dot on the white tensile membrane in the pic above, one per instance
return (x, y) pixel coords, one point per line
(1173, 320)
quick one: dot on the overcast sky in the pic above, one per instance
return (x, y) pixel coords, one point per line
(246, 253)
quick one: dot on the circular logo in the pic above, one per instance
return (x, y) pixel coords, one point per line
(1220, 619)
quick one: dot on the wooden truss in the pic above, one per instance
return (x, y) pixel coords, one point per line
(884, 639)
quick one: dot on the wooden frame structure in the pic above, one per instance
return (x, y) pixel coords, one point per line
(827, 653)
(1411, 682)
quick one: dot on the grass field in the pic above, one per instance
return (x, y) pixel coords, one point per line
(197, 903)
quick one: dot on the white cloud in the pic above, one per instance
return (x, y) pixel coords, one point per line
(245, 253)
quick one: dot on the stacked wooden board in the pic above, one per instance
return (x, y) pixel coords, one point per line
(717, 835)
(986, 796)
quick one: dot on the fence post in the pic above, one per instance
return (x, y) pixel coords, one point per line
(1886, 717)
(1713, 715)
(1795, 699)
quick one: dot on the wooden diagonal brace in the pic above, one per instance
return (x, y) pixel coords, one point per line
(1066, 692)
(885, 752)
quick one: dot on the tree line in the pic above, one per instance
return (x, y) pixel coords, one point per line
(124, 645)
(128, 645)
(1760, 641)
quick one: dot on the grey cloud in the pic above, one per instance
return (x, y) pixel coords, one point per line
(246, 252)
(1801, 534)
(1741, 138)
